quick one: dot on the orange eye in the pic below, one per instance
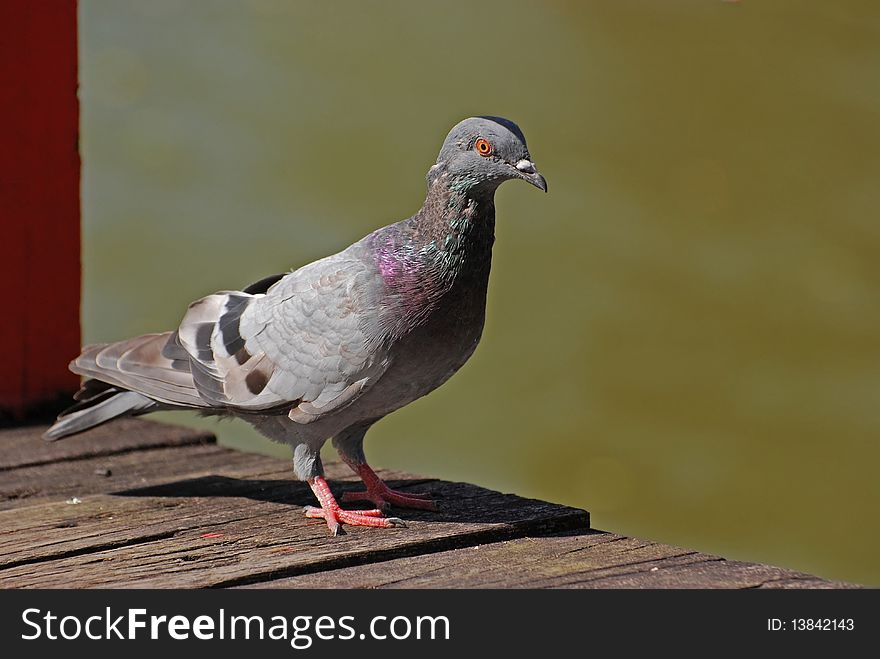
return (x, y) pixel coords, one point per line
(483, 147)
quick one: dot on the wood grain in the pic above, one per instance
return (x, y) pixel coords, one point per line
(140, 504)
(24, 446)
(580, 559)
(150, 541)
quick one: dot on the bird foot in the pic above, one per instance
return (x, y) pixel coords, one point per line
(336, 516)
(383, 496)
(386, 497)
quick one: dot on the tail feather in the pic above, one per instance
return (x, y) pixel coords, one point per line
(124, 379)
(103, 406)
(90, 389)
(139, 365)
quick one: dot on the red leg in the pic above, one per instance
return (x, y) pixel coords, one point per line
(382, 495)
(336, 516)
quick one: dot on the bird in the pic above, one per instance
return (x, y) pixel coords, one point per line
(327, 350)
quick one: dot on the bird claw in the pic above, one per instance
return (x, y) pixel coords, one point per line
(384, 497)
(336, 517)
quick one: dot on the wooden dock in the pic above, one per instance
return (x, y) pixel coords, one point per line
(140, 504)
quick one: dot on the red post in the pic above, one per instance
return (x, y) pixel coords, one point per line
(39, 204)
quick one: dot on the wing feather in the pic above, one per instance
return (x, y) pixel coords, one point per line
(300, 345)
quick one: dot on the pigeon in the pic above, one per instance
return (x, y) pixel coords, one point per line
(327, 350)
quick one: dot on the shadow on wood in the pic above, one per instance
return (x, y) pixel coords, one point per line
(456, 502)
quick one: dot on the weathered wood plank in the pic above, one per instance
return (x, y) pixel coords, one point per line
(581, 559)
(121, 471)
(179, 511)
(144, 540)
(25, 447)
(238, 524)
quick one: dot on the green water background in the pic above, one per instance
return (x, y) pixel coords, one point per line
(682, 336)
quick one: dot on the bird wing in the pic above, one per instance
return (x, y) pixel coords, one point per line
(301, 344)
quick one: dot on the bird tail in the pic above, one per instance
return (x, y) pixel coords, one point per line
(109, 404)
(127, 378)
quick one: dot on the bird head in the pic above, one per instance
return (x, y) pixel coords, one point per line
(480, 153)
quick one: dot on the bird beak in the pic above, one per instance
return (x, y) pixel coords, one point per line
(527, 172)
